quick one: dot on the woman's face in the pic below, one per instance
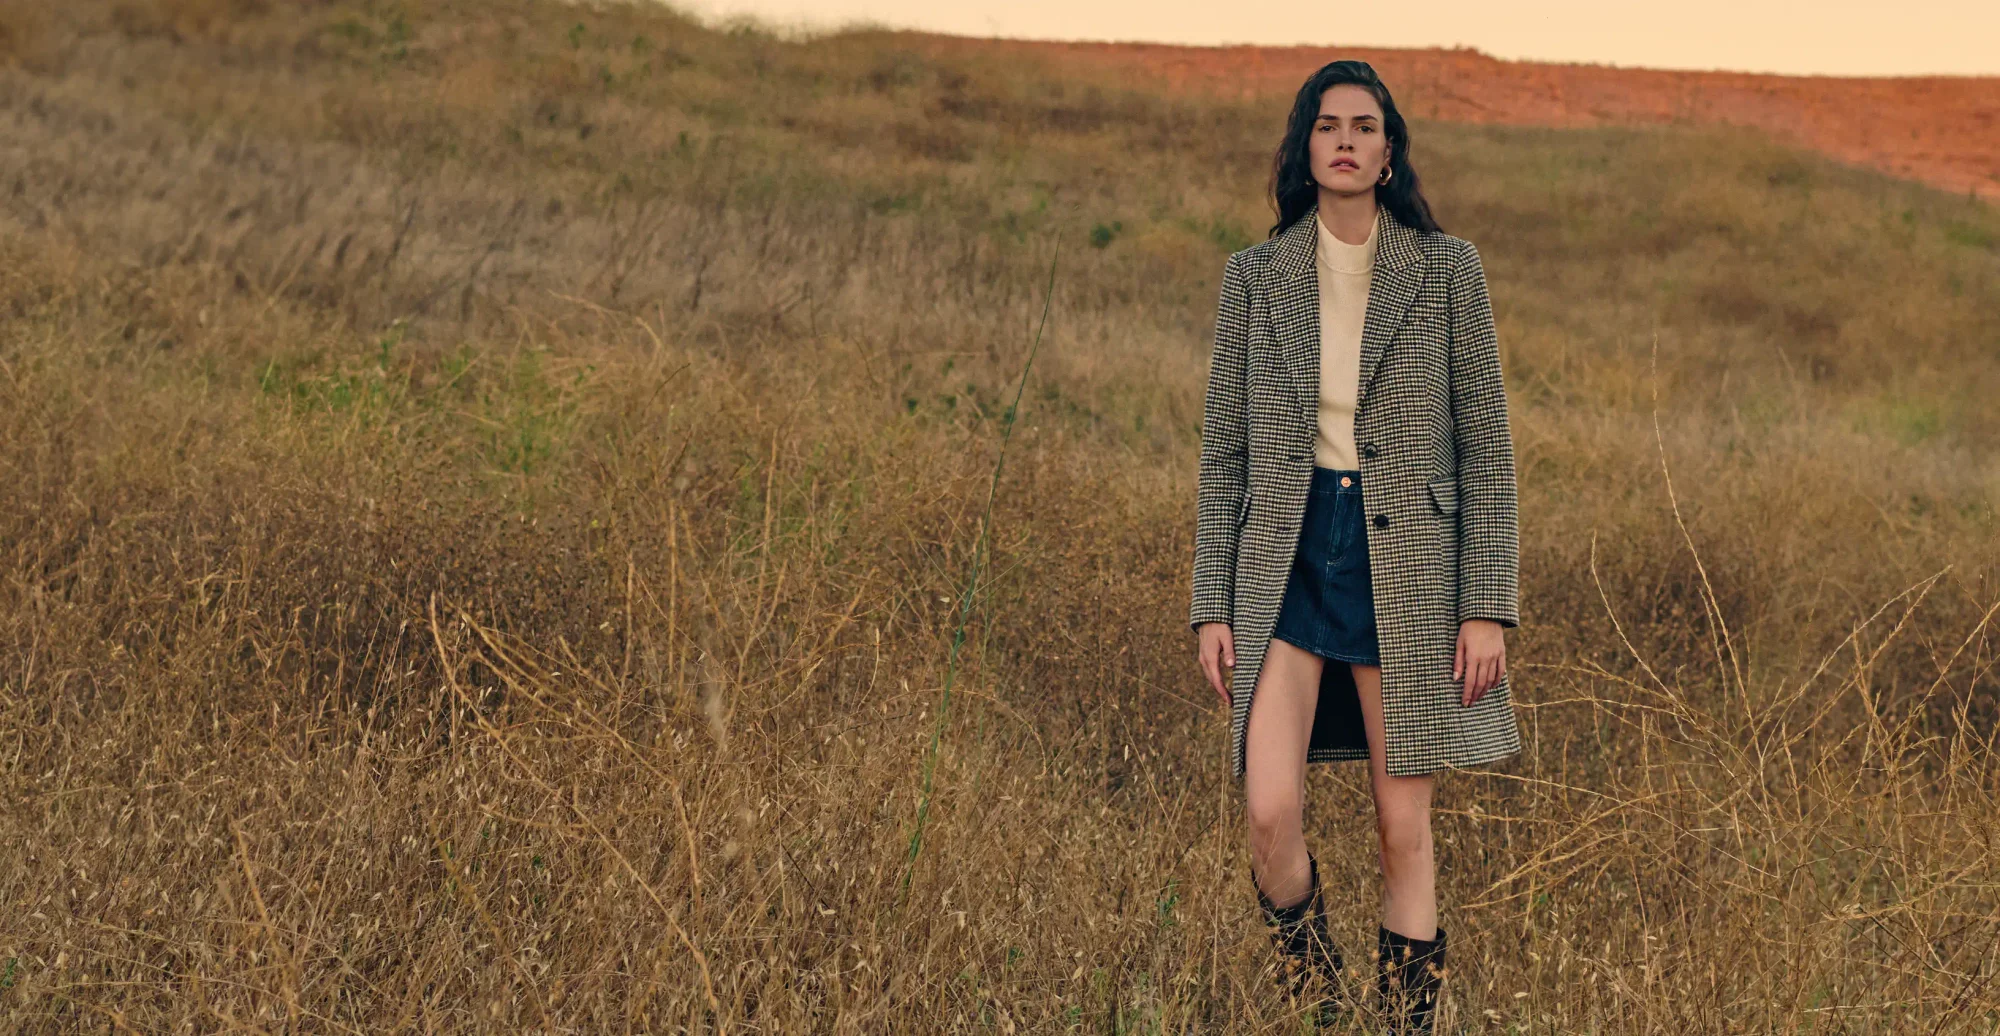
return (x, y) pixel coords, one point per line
(1349, 147)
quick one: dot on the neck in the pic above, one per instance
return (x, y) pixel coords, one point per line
(1350, 217)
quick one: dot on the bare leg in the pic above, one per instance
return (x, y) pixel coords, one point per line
(1402, 824)
(1274, 770)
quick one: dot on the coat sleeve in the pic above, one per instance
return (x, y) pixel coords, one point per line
(1488, 522)
(1224, 470)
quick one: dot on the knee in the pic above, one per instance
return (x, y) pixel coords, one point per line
(1272, 819)
(1405, 839)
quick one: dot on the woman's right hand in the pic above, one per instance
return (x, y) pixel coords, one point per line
(1218, 649)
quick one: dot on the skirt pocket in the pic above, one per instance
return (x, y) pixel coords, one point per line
(1347, 536)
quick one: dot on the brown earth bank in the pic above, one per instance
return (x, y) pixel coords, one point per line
(1939, 130)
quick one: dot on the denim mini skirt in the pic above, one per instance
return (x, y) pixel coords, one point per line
(1329, 604)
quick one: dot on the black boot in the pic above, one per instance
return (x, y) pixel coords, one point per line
(1306, 951)
(1409, 974)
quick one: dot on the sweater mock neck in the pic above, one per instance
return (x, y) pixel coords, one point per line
(1337, 256)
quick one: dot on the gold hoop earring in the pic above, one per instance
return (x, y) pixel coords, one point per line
(1387, 175)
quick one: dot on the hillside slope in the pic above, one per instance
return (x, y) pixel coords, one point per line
(490, 508)
(1939, 130)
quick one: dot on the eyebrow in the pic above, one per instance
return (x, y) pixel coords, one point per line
(1357, 118)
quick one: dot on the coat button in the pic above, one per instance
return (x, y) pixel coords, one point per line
(1368, 450)
(1381, 521)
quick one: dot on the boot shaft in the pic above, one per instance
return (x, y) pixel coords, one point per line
(1409, 976)
(1305, 947)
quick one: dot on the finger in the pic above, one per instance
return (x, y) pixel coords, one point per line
(1208, 668)
(1229, 649)
(1463, 671)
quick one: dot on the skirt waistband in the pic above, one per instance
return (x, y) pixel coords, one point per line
(1328, 481)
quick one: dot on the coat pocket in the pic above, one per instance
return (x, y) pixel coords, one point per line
(1444, 494)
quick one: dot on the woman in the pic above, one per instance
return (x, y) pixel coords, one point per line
(1356, 549)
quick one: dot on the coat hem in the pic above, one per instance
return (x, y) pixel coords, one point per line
(1350, 755)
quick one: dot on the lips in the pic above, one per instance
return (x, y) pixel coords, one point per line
(1342, 163)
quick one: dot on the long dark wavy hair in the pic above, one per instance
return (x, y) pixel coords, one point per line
(1293, 192)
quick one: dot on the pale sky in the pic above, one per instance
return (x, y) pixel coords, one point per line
(1829, 37)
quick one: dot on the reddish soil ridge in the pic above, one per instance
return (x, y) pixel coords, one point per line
(1939, 130)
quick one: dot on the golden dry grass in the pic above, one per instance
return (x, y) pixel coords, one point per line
(488, 489)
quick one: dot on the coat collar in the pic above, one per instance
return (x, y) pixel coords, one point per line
(1400, 263)
(1397, 247)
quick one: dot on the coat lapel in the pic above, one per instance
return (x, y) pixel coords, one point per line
(1399, 274)
(1295, 312)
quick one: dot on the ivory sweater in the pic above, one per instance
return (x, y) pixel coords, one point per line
(1345, 272)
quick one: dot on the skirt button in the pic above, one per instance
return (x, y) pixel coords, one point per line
(1346, 480)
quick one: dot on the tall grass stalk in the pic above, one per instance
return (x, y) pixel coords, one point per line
(969, 594)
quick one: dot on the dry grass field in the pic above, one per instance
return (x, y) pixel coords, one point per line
(499, 532)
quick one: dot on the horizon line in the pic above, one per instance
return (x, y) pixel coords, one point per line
(805, 29)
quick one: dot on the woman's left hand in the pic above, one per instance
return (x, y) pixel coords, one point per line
(1481, 658)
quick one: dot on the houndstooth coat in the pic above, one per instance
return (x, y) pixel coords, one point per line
(1438, 492)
